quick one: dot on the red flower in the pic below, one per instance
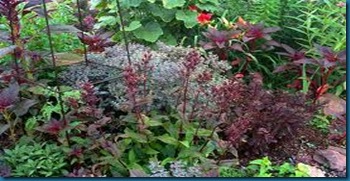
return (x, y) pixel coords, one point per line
(204, 18)
(193, 8)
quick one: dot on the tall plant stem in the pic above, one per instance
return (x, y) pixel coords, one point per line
(55, 69)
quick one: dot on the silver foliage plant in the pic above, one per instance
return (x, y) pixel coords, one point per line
(177, 169)
(164, 81)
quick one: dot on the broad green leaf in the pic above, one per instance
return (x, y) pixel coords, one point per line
(30, 124)
(165, 14)
(168, 139)
(208, 7)
(185, 143)
(79, 140)
(130, 3)
(94, 3)
(151, 122)
(167, 160)
(168, 39)
(107, 20)
(150, 32)
(135, 136)
(133, 26)
(151, 151)
(132, 156)
(170, 4)
(171, 129)
(151, 1)
(189, 153)
(209, 148)
(188, 17)
(204, 132)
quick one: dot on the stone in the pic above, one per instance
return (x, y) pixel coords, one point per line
(315, 172)
(334, 157)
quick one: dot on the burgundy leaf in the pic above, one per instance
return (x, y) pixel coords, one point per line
(306, 61)
(22, 107)
(342, 55)
(247, 39)
(207, 46)
(289, 49)
(32, 3)
(9, 96)
(111, 147)
(326, 64)
(53, 127)
(284, 68)
(237, 46)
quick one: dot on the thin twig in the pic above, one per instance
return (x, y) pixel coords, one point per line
(123, 31)
(82, 32)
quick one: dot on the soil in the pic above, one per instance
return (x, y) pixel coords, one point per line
(300, 148)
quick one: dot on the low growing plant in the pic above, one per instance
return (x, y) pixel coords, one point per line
(36, 160)
(264, 168)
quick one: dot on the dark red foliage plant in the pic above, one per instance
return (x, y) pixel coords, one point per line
(11, 11)
(240, 43)
(219, 41)
(254, 119)
(96, 42)
(319, 69)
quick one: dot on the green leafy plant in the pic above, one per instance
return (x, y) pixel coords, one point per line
(51, 109)
(143, 16)
(261, 167)
(320, 22)
(264, 168)
(166, 138)
(321, 122)
(36, 160)
(61, 13)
